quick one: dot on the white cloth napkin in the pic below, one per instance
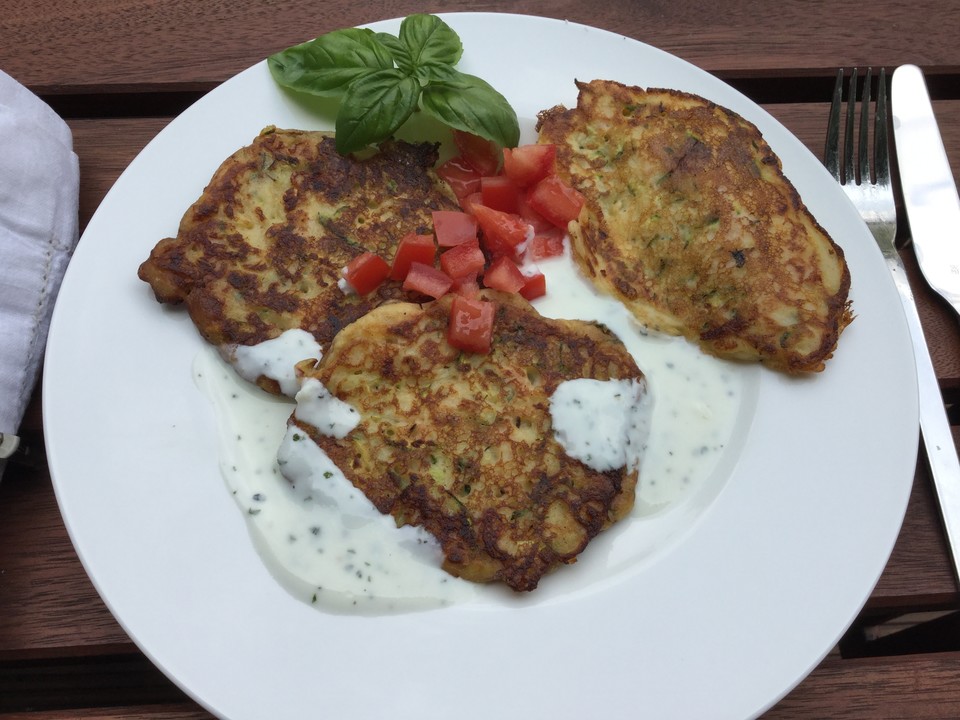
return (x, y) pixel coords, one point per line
(39, 187)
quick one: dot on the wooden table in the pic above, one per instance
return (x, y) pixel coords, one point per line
(119, 70)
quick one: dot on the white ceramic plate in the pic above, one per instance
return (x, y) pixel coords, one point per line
(721, 622)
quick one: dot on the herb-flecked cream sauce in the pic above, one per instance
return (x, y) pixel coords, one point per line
(329, 546)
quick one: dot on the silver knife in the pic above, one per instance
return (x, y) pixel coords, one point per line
(933, 209)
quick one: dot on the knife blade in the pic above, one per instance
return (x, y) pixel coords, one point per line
(933, 210)
(929, 190)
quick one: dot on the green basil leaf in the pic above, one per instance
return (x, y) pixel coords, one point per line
(327, 65)
(430, 41)
(373, 107)
(466, 102)
(400, 52)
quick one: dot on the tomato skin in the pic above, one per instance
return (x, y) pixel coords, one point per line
(466, 286)
(464, 259)
(461, 178)
(412, 248)
(453, 227)
(503, 274)
(427, 280)
(502, 232)
(470, 327)
(536, 220)
(469, 202)
(556, 201)
(546, 245)
(527, 165)
(534, 287)
(500, 193)
(479, 153)
(365, 272)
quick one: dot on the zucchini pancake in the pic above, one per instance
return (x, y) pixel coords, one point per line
(463, 444)
(261, 251)
(691, 223)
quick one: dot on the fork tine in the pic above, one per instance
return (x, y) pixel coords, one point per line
(831, 151)
(863, 159)
(881, 149)
(849, 169)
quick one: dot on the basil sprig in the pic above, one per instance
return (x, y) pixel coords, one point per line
(381, 80)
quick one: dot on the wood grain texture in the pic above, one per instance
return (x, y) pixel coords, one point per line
(158, 44)
(152, 56)
(898, 688)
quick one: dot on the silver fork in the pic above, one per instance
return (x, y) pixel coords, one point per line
(872, 194)
(866, 184)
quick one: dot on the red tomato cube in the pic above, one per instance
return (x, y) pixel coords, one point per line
(556, 201)
(500, 193)
(464, 259)
(546, 245)
(461, 178)
(534, 287)
(529, 164)
(466, 286)
(479, 153)
(469, 202)
(453, 227)
(470, 326)
(427, 280)
(365, 272)
(502, 232)
(412, 248)
(537, 221)
(503, 274)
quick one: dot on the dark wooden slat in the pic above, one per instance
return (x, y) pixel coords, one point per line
(916, 686)
(78, 682)
(166, 711)
(46, 43)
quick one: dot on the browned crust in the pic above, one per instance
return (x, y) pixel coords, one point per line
(261, 251)
(714, 243)
(463, 445)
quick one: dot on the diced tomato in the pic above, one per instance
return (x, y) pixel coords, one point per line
(502, 232)
(427, 280)
(470, 326)
(464, 259)
(503, 274)
(471, 201)
(412, 248)
(453, 227)
(556, 201)
(500, 193)
(534, 287)
(547, 244)
(461, 178)
(477, 152)
(539, 222)
(529, 164)
(466, 286)
(365, 272)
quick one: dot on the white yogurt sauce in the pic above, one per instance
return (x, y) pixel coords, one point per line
(318, 535)
(329, 546)
(326, 412)
(602, 423)
(275, 358)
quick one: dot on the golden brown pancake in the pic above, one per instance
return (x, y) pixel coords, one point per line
(462, 444)
(261, 251)
(690, 221)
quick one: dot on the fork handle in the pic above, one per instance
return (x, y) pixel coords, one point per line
(938, 441)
